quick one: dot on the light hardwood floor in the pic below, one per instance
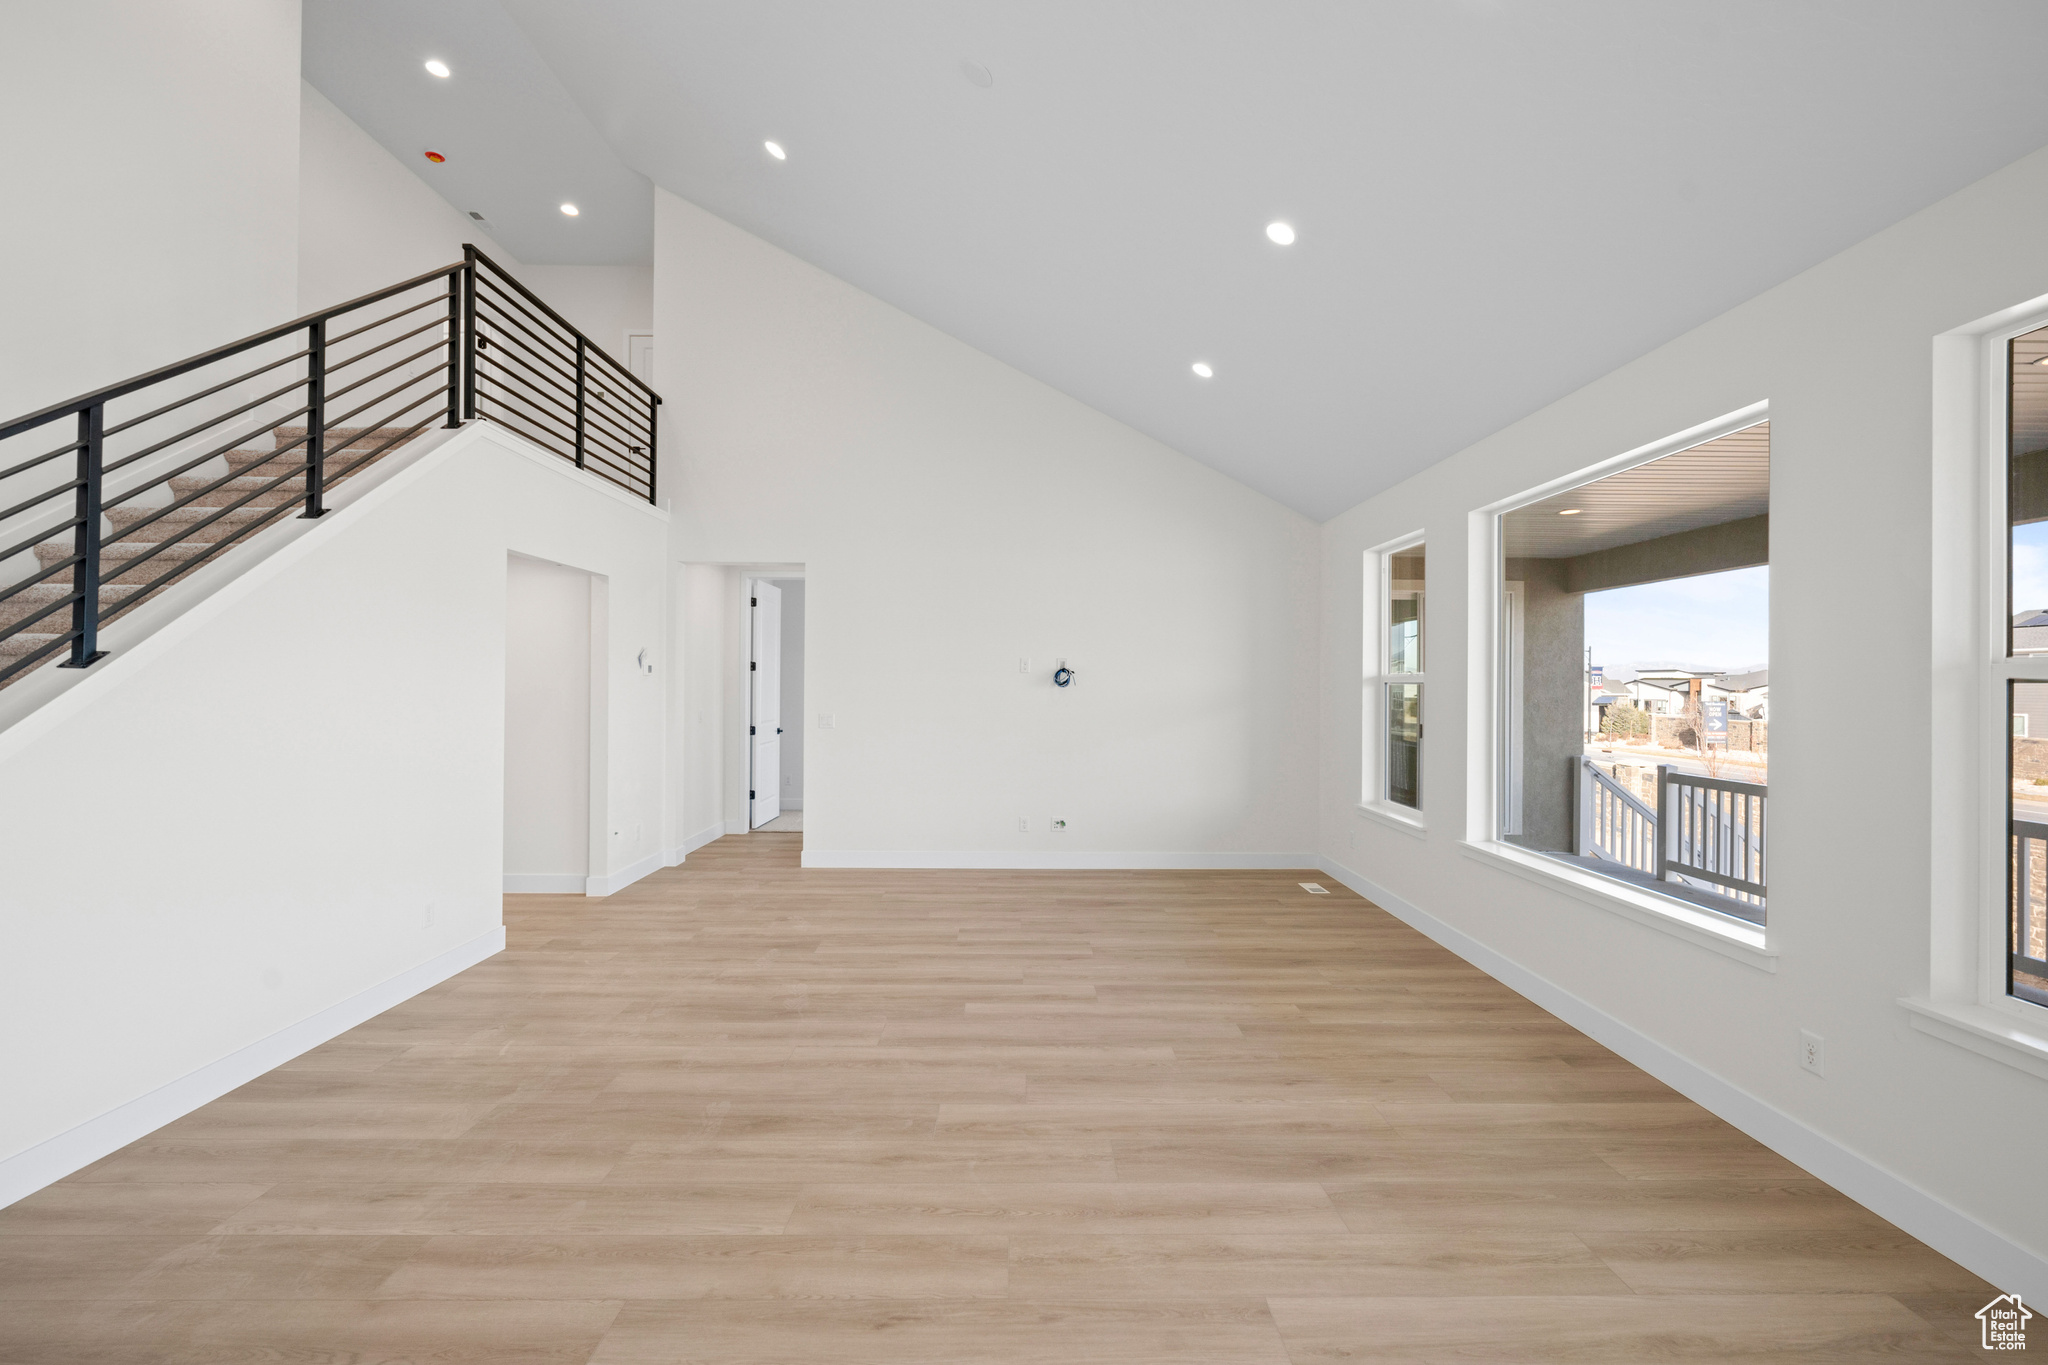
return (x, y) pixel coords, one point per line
(745, 1113)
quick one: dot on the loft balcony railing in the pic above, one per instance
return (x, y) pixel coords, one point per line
(158, 475)
(1705, 833)
(535, 374)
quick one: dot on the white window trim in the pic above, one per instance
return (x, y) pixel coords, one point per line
(1484, 642)
(1372, 776)
(1395, 816)
(1964, 1001)
(1729, 937)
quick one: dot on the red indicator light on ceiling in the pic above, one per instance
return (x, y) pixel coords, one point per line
(436, 158)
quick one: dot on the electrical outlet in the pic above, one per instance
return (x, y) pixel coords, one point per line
(430, 917)
(1813, 1052)
(1023, 824)
(1023, 665)
(1058, 825)
(826, 720)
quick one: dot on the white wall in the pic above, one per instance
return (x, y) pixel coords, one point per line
(151, 163)
(953, 516)
(338, 825)
(1844, 356)
(364, 221)
(793, 726)
(547, 725)
(705, 622)
(604, 302)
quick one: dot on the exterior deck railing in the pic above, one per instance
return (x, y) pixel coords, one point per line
(1711, 829)
(1704, 832)
(1613, 823)
(2029, 945)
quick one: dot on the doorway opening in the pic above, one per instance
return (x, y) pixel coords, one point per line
(553, 615)
(775, 704)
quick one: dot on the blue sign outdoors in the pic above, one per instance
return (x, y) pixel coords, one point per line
(1717, 720)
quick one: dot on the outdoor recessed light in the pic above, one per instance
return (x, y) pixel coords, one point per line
(775, 150)
(1202, 370)
(571, 210)
(438, 68)
(1280, 234)
(1571, 511)
(2042, 361)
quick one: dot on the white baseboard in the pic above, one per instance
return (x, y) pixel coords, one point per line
(1955, 1234)
(544, 883)
(736, 827)
(792, 803)
(26, 1172)
(1074, 861)
(624, 877)
(692, 842)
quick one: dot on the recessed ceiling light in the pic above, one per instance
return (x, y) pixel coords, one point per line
(1280, 234)
(434, 157)
(775, 150)
(1202, 370)
(571, 210)
(977, 74)
(1571, 511)
(437, 67)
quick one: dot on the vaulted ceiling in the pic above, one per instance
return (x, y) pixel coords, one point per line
(1496, 201)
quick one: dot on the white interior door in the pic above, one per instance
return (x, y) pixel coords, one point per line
(764, 712)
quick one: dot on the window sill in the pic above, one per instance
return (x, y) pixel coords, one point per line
(1395, 817)
(1744, 943)
(1982, 1030)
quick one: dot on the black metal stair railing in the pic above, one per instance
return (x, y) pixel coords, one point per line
(165, 471)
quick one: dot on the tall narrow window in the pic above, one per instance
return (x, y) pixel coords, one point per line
(2026, 644)
(1402, 674)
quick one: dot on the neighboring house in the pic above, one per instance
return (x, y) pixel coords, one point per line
(2030, 632)
(1666, 689)
(1659, 698)
(1748, 694)
(2029, 716)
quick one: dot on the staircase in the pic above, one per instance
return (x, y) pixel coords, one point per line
(158, 474)
(144, 544)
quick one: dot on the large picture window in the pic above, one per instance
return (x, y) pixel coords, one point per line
(1634, 726)
(1394, 667)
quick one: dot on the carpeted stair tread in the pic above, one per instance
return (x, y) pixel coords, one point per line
(176, 536)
